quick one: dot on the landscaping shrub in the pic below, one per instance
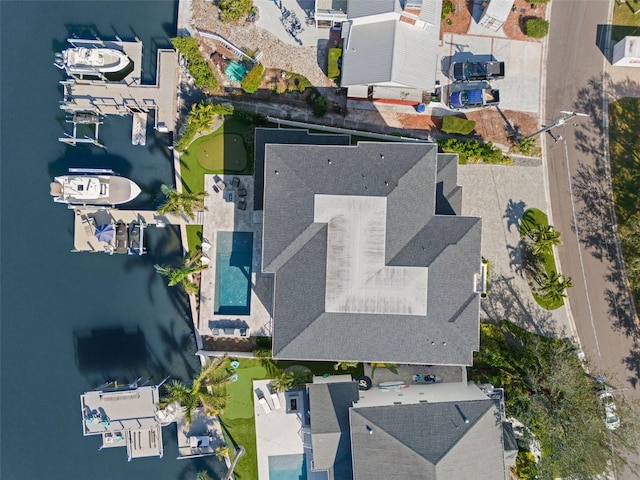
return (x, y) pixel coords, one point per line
(231, 10)
(447, 8)
(333, 69)
(251, 82)
(319, 104)
(536, 27)
(198, 68)
(472, 151)
(453, 124)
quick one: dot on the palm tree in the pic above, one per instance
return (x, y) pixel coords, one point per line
(181, 275)
(345, 365)
(555, 285)
(185, 202)
(222, 451)
(207, 390)
(283, 381)
(201, 115)
(544, 237)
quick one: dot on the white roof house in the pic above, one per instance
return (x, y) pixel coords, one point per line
(496, 14)
(386, 46)
(626, 53)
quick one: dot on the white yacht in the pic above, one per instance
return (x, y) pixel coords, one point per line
(92, 60)
(93, 187)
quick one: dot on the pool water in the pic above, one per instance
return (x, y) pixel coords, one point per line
(234, 252)
(288, 467)
(235, 71)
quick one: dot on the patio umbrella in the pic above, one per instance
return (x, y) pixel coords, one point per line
(104, 232)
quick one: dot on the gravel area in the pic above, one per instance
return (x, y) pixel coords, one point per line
(304, 60)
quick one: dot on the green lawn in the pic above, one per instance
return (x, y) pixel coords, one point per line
(194, 237)
(530, 219)
(625, 22)
(221, 153)
(624, 144)
(240, 391)
(226, 153)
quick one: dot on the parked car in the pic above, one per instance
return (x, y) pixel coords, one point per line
(480, 97)
(611, 419)
(473, 71)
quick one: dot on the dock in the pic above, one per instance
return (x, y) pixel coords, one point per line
(129, 96)
(88, 218)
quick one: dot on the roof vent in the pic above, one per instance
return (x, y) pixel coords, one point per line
(329, 161)
(369, 429)
(277, 172)
(381, 157)
(397, 403)
(464, 418)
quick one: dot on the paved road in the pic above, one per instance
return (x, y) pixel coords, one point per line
(580, 194)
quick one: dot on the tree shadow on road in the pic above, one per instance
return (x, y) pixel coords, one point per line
(632, 362)
(506, 302)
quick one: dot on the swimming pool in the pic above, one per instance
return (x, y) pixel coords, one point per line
(235, 71)
(234, 252)
(288, 467)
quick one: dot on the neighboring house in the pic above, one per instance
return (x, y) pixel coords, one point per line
(390, 53)
(431, 432)
(496, 14)
(330, 13)
(372, 261)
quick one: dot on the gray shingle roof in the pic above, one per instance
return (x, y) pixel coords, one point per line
(330, 405)
(285, 136)
(428, 441)
(388, 51)
(295, 249)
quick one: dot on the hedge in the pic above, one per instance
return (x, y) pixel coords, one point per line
(536, 27)
(198, 68)
(251, 82)
(333, 69)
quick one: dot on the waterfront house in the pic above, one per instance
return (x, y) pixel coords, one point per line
(372, 260)
(432, 432)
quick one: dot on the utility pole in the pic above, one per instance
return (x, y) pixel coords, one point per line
(561, 121)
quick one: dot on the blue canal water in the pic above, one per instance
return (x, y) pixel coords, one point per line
(70, 321)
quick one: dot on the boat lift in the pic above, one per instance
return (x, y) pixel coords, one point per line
(82, 118)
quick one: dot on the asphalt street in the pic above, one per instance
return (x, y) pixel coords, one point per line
(579, 185)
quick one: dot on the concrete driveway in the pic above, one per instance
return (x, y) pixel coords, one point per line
(270, 15)
(500, 194)
(520, 89)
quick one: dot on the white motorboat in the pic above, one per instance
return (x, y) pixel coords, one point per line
(98, 61)
(93, 187)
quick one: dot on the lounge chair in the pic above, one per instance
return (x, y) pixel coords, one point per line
(242, 205)
(242, 192)
(235, 182)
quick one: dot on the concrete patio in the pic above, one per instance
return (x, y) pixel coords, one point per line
(223, 215)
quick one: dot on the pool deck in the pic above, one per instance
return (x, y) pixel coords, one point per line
(277, 433)
(223, 215)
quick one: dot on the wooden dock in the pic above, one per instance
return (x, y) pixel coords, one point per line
(87, 218)
(130, 95)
